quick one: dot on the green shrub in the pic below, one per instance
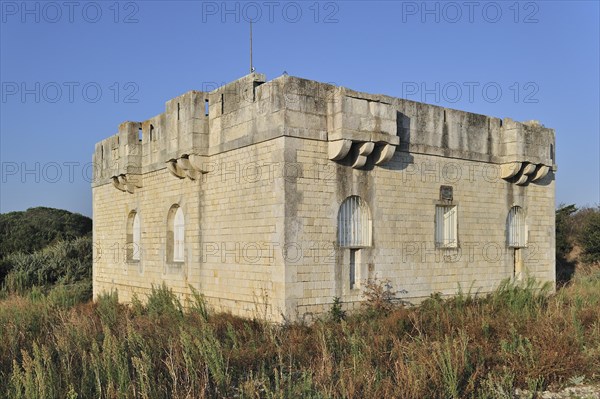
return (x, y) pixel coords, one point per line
(336, 313)
(380, 297)
(589, 237)
(162, 301)
(198, 304)
(564, 230)
(68, 295)
(62, 263)
(107, 305)
(577, 227)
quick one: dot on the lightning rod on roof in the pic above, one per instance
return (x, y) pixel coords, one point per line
(251, 65)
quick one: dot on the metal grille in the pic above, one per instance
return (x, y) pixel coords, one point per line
(516, 228)
(446, 226)
(354, 223)
(178, 236)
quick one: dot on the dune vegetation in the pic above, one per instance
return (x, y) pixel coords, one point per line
(56, 343)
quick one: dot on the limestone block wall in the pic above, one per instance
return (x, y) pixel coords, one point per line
(112, 269)
(242, 222)
(402, 199)
(216, 155)
(260, 170)
(233, 227)
(437, 147)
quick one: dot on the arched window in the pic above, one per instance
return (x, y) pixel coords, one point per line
(354, 223)
(354, 232)
(516, 228)
(179, 235)
(134, 234)
(176, 234)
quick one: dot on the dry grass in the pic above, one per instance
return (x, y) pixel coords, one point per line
(464, 347)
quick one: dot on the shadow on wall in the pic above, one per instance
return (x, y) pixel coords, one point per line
(402, 158)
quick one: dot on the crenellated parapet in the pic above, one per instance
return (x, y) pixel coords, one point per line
(193, 127)
(359, 129)
(118, 159)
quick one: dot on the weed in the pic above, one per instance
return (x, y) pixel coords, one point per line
(380, 298)
(336, 313)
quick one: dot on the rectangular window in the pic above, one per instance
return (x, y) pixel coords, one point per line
(446, 232)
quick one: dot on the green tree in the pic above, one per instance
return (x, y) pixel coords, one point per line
(589, 236)
(31, 231)
(564, 230)
(36, 228)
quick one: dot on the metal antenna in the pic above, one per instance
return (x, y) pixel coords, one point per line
(251, 65)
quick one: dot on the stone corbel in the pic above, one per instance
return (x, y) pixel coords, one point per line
(127, 182)
(521, 180)
(528, 168)
(174, 168)
(339, 149)
(118, 183)
(521, 173)
(185, 165)
(540, 172)
(509, 170)
(384, 153)
(363, 150)
(133, 182)
(191, 166)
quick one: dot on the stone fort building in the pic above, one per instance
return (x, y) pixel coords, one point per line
(273, 197)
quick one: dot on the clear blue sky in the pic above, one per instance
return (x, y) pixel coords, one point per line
(71, 72)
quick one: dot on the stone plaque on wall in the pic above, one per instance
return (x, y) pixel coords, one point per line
(446, 193)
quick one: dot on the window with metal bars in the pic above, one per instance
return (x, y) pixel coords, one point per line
(446, 222)
(516, 228)
(354, 223)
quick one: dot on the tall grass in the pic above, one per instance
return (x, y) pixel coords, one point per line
(464, 347)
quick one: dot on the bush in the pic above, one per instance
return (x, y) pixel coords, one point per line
(589, 237)
(577, 239)
(564, 230)
(162, 301)
(336, 313)
(68, 295)
(380, 298)
(63, 263)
